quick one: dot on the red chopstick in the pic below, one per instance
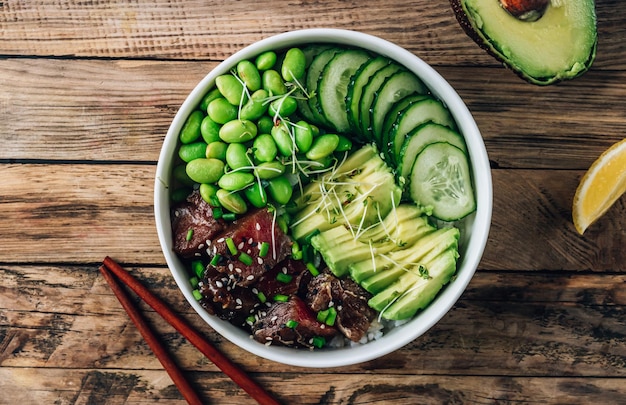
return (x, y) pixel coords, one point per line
(183, 327)
(170, 366)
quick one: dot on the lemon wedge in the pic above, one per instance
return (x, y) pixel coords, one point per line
(600, 187)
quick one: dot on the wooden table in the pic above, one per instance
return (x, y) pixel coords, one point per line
(87, 92)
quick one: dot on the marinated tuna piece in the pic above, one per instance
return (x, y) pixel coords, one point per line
(284, 279)
(223, 298)
(246, 237)
(192, 225)
(349, 299)
(291, 323)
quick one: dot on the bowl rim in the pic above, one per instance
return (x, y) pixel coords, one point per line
(480, 221)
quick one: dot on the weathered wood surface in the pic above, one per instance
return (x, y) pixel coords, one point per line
(87, 91)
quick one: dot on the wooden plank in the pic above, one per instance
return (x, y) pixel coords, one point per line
(531, 226)
(121, 110)
(518, 324)
(75, 386)
(200, 30)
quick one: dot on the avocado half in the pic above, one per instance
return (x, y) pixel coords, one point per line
(555, 42)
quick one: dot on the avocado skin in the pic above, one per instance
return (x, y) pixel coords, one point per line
(465, 23)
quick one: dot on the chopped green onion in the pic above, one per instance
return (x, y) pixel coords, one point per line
(250, 320)
(312, 269)
(284, 278)
(198, 268)
(245, 258)
(307, 254)
(311, 235)
(229, 216)
(215, 260)
(332, 316)
(194, 281)
(264, 249)
(217, 213)
(189, 235)
(197, 295)
(261, 297)
(318, 341)
(214, 201)
(291, 324)
(231, 246)
(282, 224)
(322, 315)
(281, 298)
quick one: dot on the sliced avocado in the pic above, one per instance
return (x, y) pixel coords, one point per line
(409, 260)
(349, 195)
(544, 42)
(424, 290)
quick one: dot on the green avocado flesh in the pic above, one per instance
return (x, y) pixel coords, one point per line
(560, 45)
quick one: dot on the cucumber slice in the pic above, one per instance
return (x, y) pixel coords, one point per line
(355, 89)
(302, 98)
(421, 112)
(312, 79)
(333, 86)
(421, 137)
(367, 97)
(440, 178)
(395, 88)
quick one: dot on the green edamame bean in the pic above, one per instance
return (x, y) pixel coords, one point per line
(256, 106)
(294, 65)
(231, 88)
(283, 107)
(236, 156)
(256, 195)
(273, 83)
(265, 125)
(269, 170)
(280, 189)
(210, 130)
(266, 60)
(265, 149)
(180, 194)
(283, 140)
(232, 201)
(323, 146)
(205, 170)
(191, 129)
(207, 192)
(303, 135)
(191, 151)
(221, 111)
(210, 96)
(216, 150)
(238, 131)
(180, 175)
(250, 75)
(315, 130)
(234, 181)
(344, 144)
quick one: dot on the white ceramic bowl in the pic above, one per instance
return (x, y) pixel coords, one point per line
(474, 228)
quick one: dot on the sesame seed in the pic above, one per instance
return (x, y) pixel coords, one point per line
(240, 246)
(230, 266)
(255, 291)
(258, 227)
(250, 241)
(250, 277)
(238, 301)
(237, 269)
(284, 270)
(220, 240)
(201, 246)
(274, 318)
(238, 307)
(219, 284)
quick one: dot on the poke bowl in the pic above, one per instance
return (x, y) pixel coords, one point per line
(326, 213)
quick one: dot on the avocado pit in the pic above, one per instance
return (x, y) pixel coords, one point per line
(525, 10)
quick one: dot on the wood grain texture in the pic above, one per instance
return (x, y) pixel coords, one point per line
(77, 222)
(194, 29)
(87, 92)
(121, 110)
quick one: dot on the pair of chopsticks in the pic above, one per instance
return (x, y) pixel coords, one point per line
(112, 272)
